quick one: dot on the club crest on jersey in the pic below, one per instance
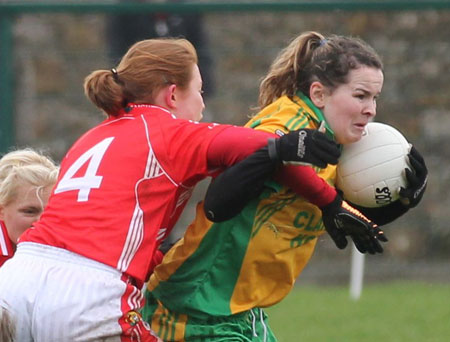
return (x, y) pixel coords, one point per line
(133, 318)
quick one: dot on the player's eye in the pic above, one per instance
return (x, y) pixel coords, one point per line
(31, 211)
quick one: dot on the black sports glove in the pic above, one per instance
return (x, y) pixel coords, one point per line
(305, 146)
(341, 220)
(417, 180)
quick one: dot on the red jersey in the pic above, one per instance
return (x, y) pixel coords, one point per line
(123, 185)
(6, 245)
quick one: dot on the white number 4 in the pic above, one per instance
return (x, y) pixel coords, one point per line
(90, 180)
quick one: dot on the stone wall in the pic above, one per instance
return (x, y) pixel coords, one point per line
(54, 52)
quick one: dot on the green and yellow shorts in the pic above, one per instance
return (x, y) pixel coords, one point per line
(249, 326)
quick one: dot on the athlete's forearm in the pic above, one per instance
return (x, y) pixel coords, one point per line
(304, 181)
(230, 192)
(235, 144)
(383, 215)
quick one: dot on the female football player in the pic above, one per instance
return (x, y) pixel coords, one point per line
(26, 180)
(212, 284)
(121, 188)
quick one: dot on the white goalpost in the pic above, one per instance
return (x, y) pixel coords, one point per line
(356, 273)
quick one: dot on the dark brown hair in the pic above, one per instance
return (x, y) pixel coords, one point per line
(312, 57)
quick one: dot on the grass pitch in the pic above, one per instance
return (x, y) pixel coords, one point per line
(394, 312)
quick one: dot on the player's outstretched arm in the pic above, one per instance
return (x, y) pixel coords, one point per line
(234, 188)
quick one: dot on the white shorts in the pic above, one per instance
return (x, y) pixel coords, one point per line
(55, 296)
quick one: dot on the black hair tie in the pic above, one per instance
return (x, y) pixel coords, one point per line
(115, 75)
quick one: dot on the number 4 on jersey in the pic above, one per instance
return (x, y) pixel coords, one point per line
(90, 180)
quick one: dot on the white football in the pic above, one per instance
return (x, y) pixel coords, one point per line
(370, 172)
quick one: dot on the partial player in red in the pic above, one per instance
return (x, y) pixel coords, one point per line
(26, 180)
(121, 189)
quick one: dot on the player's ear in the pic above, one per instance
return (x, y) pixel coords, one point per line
(170, 96)
(317, 92)
(2, 216)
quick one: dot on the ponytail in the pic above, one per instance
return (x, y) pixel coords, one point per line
(104, 91)
(285, 70)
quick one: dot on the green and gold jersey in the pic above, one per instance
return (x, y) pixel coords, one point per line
(252, 260)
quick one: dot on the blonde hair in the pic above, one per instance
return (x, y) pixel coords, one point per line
(146, 68)
(25, 165)
(313, 57)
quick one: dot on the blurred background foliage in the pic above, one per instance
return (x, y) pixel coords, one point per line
(52, 52)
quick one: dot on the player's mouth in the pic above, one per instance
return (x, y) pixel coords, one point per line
(360, 126)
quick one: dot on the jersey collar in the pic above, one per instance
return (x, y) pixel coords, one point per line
(134, 109)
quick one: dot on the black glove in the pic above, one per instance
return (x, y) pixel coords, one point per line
(417, 180)
(305, 146)
(341, 220)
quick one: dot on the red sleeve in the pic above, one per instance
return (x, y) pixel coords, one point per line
(234, 144)
(304, 181)
(156, 259)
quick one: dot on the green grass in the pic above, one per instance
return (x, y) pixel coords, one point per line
(395, 312)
